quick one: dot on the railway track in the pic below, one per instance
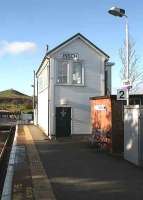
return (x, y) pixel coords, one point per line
(6, 140)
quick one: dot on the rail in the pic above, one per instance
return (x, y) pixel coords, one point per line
(4, 156)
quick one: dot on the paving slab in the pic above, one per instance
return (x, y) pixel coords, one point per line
(42, 189)
(67, 169)
(77, 172)
(22, 182)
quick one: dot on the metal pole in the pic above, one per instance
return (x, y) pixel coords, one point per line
(127, 56)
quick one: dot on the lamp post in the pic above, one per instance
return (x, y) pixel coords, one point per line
(118, 12)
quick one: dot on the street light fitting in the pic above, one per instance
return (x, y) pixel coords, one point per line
(118, 12)
(109, 64)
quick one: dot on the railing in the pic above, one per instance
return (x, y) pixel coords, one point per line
(4, 156)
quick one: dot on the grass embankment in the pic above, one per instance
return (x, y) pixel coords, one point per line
(15, 101)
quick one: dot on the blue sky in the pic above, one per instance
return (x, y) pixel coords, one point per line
(26, 26)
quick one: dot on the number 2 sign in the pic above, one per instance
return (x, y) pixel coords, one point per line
(121, 94)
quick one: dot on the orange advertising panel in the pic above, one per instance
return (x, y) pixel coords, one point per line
(101, 119)
(101, 114)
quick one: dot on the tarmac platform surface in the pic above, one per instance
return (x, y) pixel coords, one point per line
(67, 169)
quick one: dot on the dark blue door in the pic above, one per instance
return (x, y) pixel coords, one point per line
(63, 121)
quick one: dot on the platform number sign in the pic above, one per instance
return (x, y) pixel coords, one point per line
(121, 94)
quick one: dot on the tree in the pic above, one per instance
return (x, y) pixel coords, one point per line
(28, 105)
(135, 71)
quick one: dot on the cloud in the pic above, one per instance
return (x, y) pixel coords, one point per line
(16, 47)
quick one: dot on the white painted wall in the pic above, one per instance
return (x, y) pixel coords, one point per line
(43, 99)
(36, 115)
(133, 135)
(43, 110)
(78, 96)
(78, 100)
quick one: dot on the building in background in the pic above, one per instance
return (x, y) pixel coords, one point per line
(68, 76)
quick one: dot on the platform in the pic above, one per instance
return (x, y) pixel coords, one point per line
(67, 169)
(29, 179)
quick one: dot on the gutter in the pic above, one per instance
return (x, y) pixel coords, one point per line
(37, 121)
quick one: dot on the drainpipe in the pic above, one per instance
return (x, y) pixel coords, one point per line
(48, 71)
(33, 98)
(34, 95)
(37, 121)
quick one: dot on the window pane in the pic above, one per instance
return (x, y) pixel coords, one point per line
(62, 72)
(77, 73)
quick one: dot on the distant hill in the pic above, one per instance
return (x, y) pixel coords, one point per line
(14, 100)
(11, 93)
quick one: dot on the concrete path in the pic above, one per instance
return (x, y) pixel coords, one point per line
(77, 172)
(30, 181)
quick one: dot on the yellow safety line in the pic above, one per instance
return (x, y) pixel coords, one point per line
(42, 188)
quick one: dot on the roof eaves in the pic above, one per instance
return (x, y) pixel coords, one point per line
(92, 44)
(62, 44)
(41, 64)
(71, 38)
(66, 41)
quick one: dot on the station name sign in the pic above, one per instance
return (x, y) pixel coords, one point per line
(70, 56)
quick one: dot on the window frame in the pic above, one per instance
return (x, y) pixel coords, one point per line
(70, 72)
(57, 70)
